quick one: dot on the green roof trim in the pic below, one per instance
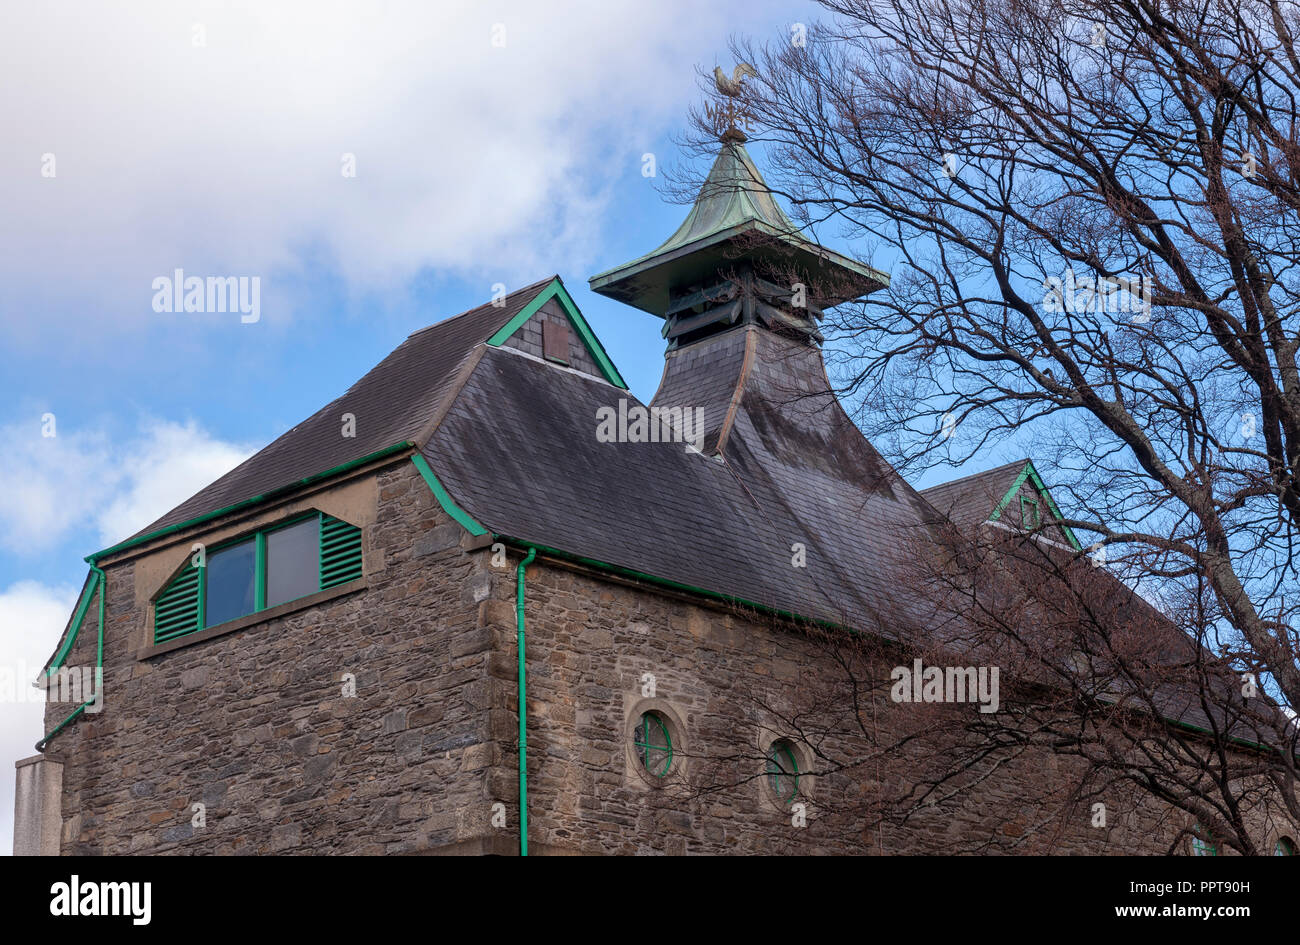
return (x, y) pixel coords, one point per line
(466, 521)
(248, 503)
(73, 628)
(668, 583)
(1030, 473)
(632, 574)
(557, 291)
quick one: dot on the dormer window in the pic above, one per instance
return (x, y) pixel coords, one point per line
(270, 567)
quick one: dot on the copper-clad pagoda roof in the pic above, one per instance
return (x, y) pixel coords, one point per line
(734, 215)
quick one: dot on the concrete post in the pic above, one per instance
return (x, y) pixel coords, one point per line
(38, 814)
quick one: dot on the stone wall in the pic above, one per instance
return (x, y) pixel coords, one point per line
(731, 683)
(255, 726)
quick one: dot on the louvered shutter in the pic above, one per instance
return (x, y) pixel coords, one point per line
(176, 611)
(340, 552)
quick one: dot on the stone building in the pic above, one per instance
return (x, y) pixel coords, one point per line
(324, 650)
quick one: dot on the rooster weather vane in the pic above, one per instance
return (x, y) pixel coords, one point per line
(730, 89)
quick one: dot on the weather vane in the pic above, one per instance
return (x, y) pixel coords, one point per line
(730, 88)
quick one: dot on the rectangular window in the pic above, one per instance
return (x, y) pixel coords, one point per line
(231, 582)
(270, 567)
(1028, 512)
(292, 562)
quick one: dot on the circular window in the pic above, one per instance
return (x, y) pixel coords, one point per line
(783, 771)
(1285, 846)
(1203, 843)
(653, 744)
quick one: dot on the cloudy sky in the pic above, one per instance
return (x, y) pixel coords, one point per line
(492, 142)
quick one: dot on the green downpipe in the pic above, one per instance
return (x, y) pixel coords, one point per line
(523, 704)
(101, 580)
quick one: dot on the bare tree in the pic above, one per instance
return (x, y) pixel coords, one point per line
(1089, 210)
(1089, 213)
(1128, 698)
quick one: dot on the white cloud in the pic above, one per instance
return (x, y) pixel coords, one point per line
(32, 615)
(52, 485)
(171, 463)
(225, 158)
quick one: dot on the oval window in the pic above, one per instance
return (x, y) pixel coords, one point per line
(783, 771)
(653, 744)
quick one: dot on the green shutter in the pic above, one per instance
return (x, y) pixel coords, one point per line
(176, 611)
(340, 552)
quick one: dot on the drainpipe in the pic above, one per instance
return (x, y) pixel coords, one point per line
(102, 582)
(523, 704)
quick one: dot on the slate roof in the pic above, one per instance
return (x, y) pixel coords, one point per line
(971, 499)
(783, 466)
(1152, 646)
(517, 450)
(391, 403)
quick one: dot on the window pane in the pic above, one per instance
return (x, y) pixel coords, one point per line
(292, 562)
(230, 583)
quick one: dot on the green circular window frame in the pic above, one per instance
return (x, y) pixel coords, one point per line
(1203, 842)
(1284, 846)
(644, 746)
(779, 749)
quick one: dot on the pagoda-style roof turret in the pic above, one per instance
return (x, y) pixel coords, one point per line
(735, 232)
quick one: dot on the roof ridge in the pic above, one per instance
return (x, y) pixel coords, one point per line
(1019, 464)
(539, 285)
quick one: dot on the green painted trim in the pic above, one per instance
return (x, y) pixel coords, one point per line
(594, 347)
(202, 608)
(523, 702)
(255, 500)
(259, 570)
(101, 581)
(448, 504)
(643, 732)
(793, 239)
(320, 543)
(260, 559)
(1030, 473)
(670, 584)
(1032, 504)
(778, 748)
(1015, 487)
(525, 313)
(74, 628)
(762, 608)
(556, 290)
(1235, 739)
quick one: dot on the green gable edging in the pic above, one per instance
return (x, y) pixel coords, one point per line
(463, 518)
(557, 291)
(1030, 473)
